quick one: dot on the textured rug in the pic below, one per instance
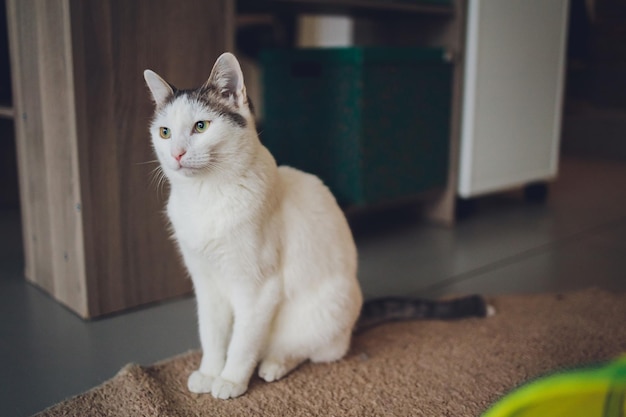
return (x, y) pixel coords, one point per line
(421, 368)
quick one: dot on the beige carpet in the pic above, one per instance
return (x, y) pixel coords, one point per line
(425, 368)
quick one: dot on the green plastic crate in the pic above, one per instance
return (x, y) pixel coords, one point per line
(372, 123)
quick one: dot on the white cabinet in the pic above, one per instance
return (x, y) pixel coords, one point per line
(512, 94)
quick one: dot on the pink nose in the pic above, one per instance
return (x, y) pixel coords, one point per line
(179, 156)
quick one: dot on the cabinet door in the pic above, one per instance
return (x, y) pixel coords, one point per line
(513, 87)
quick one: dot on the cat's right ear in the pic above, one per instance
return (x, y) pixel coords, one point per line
(160, 89)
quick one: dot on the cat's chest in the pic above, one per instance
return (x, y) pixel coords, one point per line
(196, 226)
(206, 226)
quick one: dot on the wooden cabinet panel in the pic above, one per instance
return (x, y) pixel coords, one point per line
(94, 230)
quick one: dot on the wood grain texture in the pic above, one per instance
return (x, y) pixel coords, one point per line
(96, 237)
(54, 54)
(130, 259)
(23, 40)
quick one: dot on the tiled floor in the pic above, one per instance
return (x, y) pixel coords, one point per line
(576, 240)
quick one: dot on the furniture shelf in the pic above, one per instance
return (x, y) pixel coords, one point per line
(428, 24)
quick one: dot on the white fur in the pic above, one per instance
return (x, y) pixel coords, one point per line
(270, 253)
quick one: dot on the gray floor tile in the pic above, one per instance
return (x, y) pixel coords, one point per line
(589, 259)
(47, 353)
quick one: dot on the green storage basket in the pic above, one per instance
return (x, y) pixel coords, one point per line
(372, 123)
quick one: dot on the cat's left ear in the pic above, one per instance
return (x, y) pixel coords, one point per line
(160, 89)
(228, 78)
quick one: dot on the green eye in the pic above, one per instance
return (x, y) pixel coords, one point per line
(165, 132)
(201, 126)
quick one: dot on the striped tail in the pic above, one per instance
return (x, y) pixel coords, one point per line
(382, 310)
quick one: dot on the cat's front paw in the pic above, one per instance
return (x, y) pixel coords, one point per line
(200, 383)
(224, 389)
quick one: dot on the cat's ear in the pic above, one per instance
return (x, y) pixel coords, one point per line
(228, 78)
(160, 89)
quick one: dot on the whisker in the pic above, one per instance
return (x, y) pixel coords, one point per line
(154, 161)
(158, 180)
(154, 173)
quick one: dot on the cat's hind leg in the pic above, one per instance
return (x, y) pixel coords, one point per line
(273, 369)
(275, 365)
(285, 350)
(334, 350)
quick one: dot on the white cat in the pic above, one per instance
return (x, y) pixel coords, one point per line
(269, 251)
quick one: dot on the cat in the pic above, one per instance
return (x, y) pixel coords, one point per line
(269, 251)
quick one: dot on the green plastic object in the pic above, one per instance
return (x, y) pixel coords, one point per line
(372, 123)
(598, 391)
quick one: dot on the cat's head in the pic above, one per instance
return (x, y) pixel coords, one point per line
(206, 131)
